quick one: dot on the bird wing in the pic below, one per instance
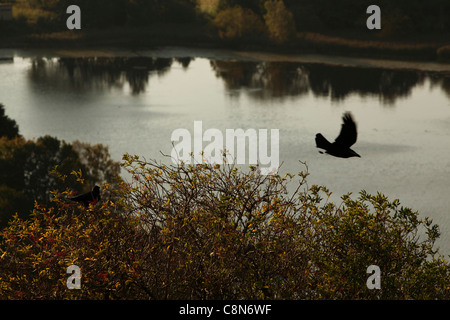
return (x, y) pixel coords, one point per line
(83, 197)
(348, 135)
(322, 142)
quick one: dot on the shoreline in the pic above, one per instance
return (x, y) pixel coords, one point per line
(228, 54)
(342, 46)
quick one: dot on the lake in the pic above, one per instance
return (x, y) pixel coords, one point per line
(133, 102)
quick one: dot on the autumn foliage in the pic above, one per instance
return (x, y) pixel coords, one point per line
(239, 23)
(221, 232)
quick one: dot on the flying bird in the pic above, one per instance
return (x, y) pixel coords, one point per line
(88, 197)
(341, 145)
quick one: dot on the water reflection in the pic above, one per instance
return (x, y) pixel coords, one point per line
(280, 80)
(263, 81)
(442, 82)
(83, 74)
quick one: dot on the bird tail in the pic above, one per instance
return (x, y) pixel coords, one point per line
(322, 142)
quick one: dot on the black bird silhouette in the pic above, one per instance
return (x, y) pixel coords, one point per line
(88, 197)
(346, 138)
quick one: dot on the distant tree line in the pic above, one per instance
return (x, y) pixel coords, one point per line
(235, 18)
(401, 16)
(51, 14)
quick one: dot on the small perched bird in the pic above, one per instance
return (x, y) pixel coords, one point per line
(88, 197)
(346, 138)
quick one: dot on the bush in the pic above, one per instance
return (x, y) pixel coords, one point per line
(35, 254)
(215, 232)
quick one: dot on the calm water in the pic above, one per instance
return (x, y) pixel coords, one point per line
(134, 104)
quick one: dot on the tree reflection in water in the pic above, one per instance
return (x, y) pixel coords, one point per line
(283, 79)
(84, 74)
(262, 81)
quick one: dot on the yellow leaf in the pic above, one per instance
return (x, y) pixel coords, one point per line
(90, 259)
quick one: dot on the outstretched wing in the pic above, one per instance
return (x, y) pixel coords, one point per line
(348, 135)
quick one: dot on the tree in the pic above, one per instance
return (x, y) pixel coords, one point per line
(279, 21)
(26, 166)
(239, 23)
(256, 6)
(8, 127)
